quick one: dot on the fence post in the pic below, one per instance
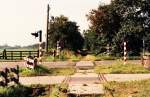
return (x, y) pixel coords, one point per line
(6, 76)
(29, 53)
(20, 55)
(17, 73)
(11, 55)
(4, 54)
(37, 53)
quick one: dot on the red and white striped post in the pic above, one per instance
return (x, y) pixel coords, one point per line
(40, 46)
(125, 53)
(58, 48)
(40, 52)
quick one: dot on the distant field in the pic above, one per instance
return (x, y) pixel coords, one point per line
(1, 50)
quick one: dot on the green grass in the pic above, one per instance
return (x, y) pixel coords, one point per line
(41, 71)
(121, 69)
(62, 71)
(105, 57)
(126, 89)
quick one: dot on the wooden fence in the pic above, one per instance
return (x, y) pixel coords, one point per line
(17, 55)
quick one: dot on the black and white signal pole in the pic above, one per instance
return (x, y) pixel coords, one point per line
(125, 52)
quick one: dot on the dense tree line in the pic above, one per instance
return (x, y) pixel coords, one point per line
(122, 20)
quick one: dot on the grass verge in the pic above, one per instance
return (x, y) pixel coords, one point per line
(121, 69)
(128, 89)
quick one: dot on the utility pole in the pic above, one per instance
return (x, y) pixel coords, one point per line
(47, 27)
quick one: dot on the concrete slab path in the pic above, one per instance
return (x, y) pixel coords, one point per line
(81, 78)
(45, 80)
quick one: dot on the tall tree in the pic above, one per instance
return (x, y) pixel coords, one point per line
(122, 20)
(65, 31)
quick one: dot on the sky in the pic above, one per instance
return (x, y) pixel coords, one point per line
(20, 18)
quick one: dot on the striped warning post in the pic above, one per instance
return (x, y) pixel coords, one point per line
(125, 53)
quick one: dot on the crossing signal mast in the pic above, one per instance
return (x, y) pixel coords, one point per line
(39, 34)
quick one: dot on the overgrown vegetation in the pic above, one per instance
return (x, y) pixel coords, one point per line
(24, 91)
(65, 55)
(120, 68)
(41, 70)
(59, 90)
(15, 91)
(127, 89)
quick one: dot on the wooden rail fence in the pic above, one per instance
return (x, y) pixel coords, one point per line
(17, 55)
